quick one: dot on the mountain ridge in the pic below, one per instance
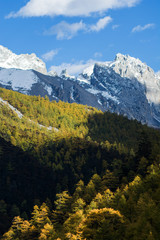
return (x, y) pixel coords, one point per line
(125, 86)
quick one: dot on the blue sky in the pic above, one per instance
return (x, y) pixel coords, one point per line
(72, 33)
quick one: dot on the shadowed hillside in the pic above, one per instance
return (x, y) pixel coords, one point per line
(36, 163)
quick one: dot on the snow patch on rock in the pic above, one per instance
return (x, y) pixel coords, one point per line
(48, 89)
(20, 115)
(18, 79)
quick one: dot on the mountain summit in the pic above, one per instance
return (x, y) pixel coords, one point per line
(125, 86)
(8, 59)
(131, 68)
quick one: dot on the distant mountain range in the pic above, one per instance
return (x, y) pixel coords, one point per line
(125, 86)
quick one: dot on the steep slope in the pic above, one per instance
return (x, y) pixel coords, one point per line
(20, 115)
(31, 82)
(125, 86)
(35, 163)
(117, 89)
(129, 67)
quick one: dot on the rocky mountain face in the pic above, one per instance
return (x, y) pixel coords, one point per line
(31, 82)
(125, 86)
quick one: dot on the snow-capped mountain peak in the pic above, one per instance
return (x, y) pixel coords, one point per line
(89, 70)
(64, 74)
(131, 67)
(53, 74)
(8, 59)
(126, 67)
(125, 86)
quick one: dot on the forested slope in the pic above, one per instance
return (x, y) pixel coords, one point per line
(94, 156)
(95, 212)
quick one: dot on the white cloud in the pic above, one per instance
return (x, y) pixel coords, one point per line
(37, 8)
(115, 27)
(73, 68)
(50, 55)
(140, 28)
(64, 30)
(111, 45)
(158, 74)
(98, 55)
(101, 24)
